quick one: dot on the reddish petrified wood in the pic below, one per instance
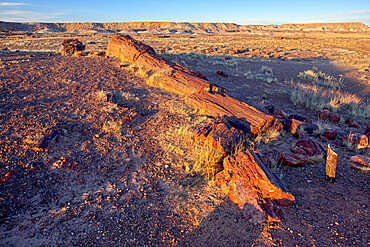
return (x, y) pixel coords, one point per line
(331, 164)
(72, 46)
(362, 162)
(330, 134)
(216, 133)
(173, 77)
(309, 147)
(324, 114)
(294, 160)
(253, 187)
(199, 92)
(359, 140)
(244, 116)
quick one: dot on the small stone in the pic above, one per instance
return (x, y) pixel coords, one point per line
(280, 114)
(351, 123)
(71, 46)
(221, 73)
(324, 114)
(291, 125)
(361, 141)
(309, 128)
(270, 109)
(333, 118)
(330, 134)
(294, 160)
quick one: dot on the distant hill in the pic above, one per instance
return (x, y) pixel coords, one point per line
(173, 27)
(333, 27)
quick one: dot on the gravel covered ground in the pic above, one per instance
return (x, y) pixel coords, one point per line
(111, 179)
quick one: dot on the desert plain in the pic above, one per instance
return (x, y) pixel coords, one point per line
(128, 172)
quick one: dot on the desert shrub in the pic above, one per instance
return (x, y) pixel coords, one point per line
(264, 74)
(188, 154)
(320, 79)
(318, 98)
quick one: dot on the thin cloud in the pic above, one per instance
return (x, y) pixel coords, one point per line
(12, 4)
(32, 16)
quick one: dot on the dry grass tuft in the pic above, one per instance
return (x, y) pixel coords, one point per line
(269, 136)
(186, 153)
(318, 98)
(320, 79)
(264, 74)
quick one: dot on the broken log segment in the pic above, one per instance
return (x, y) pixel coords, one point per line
(171, 76)
(199, 92)
(242, 115)
(215, 133)
(255, 189)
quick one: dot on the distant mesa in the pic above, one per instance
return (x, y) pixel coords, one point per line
(173, 27)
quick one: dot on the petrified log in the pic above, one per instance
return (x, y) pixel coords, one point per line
(199, 92)
(51, 136)
(171, 76)
(244, 116)
(256, 190)
(331, 165)
(215, 133)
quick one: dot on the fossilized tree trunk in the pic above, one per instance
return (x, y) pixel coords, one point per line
(199, 92)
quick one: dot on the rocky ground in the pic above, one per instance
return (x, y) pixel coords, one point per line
(118, 174)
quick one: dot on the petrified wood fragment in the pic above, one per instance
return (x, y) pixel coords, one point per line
(331, 164)
(361, 162)
(215, 133)
(51, 136)
(71, 46)
(253, 187)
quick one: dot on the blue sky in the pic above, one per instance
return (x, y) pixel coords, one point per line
(235, 11)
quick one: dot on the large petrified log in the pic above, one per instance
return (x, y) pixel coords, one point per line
(256, 190)
(199, 92)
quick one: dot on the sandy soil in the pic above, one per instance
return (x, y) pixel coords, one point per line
(111, 180)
